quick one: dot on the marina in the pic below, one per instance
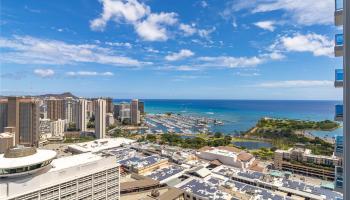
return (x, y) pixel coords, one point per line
(177, 123)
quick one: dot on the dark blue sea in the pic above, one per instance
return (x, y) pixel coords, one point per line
(240, 115)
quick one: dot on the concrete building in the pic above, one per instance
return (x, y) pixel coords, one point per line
(109, 119)
(109, 105)
(98, 145)
(227, 155)
(142, 107)
(56, 109)
(3, 114)
(144, 165)
(339, 151)
(69, 111)
(34, 174)
(29, 115)
(300, 160)
(100, 119)
(89, 109)
(13, 115)
(134, 112)
(122, 112)
(80, 114)
(7, 141)
(58, 127)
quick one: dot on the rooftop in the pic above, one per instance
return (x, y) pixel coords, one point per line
(39, 156)
(100, 144)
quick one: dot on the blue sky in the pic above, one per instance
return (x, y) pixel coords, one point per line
(199, 49)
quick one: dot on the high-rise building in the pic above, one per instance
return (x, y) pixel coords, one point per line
(100, 118)
(13, 115)
(68, 107)
(80, 114)
(109, 119)
(38, 175)
(110, 105)
(142, 107)
(3, 114)
(29, 116)
(134, 112)
(23, 114)
(89, 109)
(56, 109)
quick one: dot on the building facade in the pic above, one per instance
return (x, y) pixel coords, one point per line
(29, 115)
(301, 161)
(80, 110)
(100, 119)
(134, 112)
(83, 176)
(56, 109)
(3, 114)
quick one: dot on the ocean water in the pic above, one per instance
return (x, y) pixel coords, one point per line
(240, 115)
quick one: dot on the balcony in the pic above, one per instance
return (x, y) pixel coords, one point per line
(338, 49)
(339, 77)
(338, 14)
(338, 113)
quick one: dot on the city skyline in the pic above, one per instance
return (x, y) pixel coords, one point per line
(125, 49)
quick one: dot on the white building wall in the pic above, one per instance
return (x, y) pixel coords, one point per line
(100, 119)
(227, 160)
(95, 180)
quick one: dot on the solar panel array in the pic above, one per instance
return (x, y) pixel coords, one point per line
(165, 173)
(141, 162)
(329, 194)
(204, 189)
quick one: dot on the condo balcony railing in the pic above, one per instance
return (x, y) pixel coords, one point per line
(338, 5)
(339, 112)
(339, 42)
(339, 78)
(339, 39)
(338, 14)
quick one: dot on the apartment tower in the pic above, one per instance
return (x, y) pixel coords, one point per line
(55, 109)
(80, 114)
(100, 118)
(134, 112)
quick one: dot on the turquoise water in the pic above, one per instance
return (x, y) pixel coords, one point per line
(240, 115)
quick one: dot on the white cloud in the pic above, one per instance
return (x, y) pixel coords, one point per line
(151, 50)
(244, 74)
(120, 44)
(318, 45)
(230, 62)
(304, 12)
(89, 73)
(238, 62)
(234, 24)
(296, 84)
(30, 50)
(187, 29)
(184, 53)
(204, 4)
(44, 72)
(149, 26)
(129, 11)
(266, 25)
(153, 28)
(186, 68)
(205, 33)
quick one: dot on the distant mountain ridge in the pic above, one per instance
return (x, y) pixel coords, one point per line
(59, 96)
